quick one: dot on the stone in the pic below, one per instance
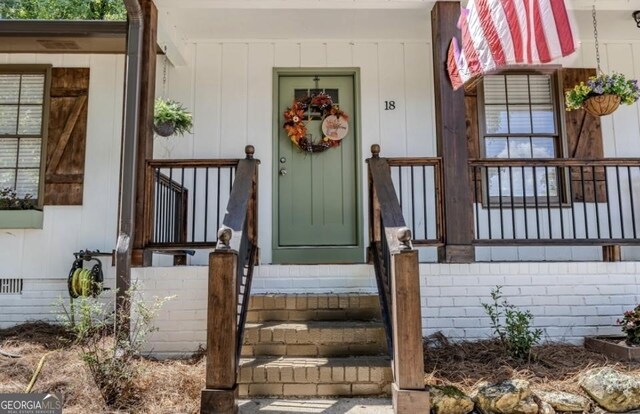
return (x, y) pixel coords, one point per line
(545, 408)
(506, 397)
(614, 391)
(449, 400)
(564, 401)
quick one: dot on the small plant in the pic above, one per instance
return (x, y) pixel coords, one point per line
(630, 325)
(111, 360)
(171, 118)
(615, 84)
(516, 335)
(9, 200)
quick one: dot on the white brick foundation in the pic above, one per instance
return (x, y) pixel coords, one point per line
(568, 300)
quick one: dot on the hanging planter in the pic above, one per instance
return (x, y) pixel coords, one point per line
(171, 118)
(602, 94)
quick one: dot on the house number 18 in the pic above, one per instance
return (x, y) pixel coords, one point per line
(389, 105)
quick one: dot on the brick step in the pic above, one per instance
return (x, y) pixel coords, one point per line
(305, 377)
(310, 307)
(314, 339)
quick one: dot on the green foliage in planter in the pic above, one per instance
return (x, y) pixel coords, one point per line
(9, 200)
(516, 335)
(630, 324)
(169, 111)
(615, 84)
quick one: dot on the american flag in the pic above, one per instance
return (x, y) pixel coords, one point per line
(496, 33)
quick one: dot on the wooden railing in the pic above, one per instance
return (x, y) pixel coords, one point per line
(556, 201)
(185, 202)
(230, 274)
(398, 276)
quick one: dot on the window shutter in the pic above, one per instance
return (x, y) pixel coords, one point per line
(473, 139)
(66, 141)
(584, 141)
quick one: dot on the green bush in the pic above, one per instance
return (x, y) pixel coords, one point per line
(516, 335)
(9, 200)
(630, 324)
(111, 360)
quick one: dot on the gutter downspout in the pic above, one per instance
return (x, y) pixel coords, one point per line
(128, 163)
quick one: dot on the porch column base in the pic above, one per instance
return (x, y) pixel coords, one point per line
(611, 253)
(219, 401)
(410, 401)
(451, 253)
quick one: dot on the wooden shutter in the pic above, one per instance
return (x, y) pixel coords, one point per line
(66, 141)
(584, 141)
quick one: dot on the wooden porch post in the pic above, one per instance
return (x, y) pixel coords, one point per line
(451, 140)
(145, 127)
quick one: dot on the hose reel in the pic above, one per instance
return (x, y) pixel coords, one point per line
(86, 282)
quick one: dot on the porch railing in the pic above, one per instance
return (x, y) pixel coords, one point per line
(398, 277)
(418, 186)
(230, 274)
(186, 200)
(559, 201)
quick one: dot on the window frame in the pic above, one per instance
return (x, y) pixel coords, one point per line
(562, 199)
(45, 69)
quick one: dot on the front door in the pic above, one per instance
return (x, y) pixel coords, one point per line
(317, 192)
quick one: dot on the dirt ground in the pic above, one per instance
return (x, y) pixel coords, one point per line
(174, 386)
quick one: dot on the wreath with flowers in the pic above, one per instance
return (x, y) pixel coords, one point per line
(300, 113)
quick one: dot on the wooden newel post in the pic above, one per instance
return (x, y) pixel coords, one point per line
(409, 393)
(221, 391)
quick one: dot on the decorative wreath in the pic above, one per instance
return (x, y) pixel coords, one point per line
(296, 128)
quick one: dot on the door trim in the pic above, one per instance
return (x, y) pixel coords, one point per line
(323, 254)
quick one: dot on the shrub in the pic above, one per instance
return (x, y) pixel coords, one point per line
(111, 360)
(630, 325)
(516, 335)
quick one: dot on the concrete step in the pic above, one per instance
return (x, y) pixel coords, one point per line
(314, 338)
(304, 377)
(310, 307)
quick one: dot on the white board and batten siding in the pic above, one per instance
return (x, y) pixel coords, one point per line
(42, 258)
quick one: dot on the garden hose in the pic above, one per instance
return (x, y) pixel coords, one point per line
(85, 282)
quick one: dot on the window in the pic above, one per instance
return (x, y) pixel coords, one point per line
(519, 119)
(22, 130)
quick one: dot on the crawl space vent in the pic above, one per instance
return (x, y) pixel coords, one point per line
(11, 286)
(59, 44)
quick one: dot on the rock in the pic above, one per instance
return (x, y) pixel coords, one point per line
(449, 400)
(612, 390)
(564, 401)
(506, 397)
(545, 408)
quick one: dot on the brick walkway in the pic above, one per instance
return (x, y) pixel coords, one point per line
(318, 406)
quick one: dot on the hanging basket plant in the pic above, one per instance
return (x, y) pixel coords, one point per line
(601, 95)
(171, 118)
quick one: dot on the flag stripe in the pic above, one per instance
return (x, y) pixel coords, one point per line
(514, 28)
(541, 39)
(563, 27)
(490, 32)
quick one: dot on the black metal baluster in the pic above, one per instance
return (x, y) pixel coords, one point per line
(620, 210)
(535, 201)
(218, 202)
(546, 179)
(595, 199)
(572, 204)
(475, 189)
(486, 170)
(156, 233)
(182, 224)
(584, 202)
(206, 202)
(500, 203)
(633, 214)
(524, 204)
(559, 192)
(413, 204)
(608, 201)
(424, 199)
(193, 207)
(513, 210)
(400, 185)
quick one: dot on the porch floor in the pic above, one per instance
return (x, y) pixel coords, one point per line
(320, 406)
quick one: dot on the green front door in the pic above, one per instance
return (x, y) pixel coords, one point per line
(317, 193)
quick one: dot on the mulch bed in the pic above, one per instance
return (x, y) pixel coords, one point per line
(554, 366)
